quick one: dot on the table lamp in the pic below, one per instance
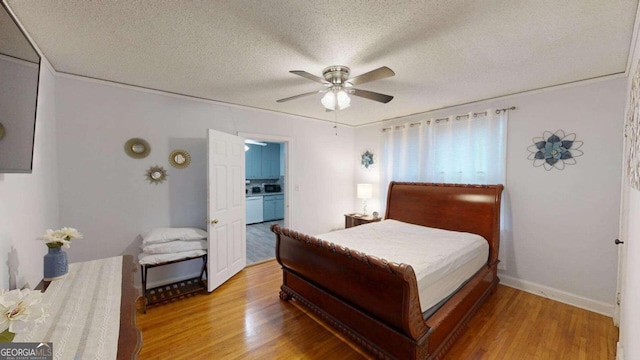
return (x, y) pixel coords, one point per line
(364, 192)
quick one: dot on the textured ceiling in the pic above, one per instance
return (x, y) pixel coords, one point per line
(12, 42)
(444, 53)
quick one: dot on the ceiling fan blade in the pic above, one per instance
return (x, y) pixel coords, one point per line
(371, 95)
(309, 76)
(302, 95)
(373, 75)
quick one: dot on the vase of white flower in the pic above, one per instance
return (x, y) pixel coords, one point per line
(56, 264)
(55, 261)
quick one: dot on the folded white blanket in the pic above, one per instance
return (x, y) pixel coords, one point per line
(174, 246)
(152, 259)
(160, 235)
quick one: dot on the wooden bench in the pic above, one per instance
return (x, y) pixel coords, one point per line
(174, 290)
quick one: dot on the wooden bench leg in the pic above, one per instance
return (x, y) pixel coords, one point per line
(143, 273)
(203, 271)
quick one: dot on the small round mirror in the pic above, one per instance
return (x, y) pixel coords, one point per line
(179, 159)
(137, 148)
(156, 174)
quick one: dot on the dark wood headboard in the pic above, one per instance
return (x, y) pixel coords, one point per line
(466, 208)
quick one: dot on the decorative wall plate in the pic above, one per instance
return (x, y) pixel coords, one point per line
(156, 175)
(1, 131)
(366, 159)
(554, 150)
(137, 148)
(179, 159)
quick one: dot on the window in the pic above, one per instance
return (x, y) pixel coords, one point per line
(465, 149)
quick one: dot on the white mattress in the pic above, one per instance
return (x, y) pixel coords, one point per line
(442, 260)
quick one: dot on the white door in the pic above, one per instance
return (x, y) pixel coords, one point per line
(622, 258)
(622, 249)
(226, 207)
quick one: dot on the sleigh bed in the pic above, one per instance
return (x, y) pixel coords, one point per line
(376, 302)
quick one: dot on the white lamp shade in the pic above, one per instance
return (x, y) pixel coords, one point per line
(344, 101)
(365, 191)
(333, 98)
(329, 100)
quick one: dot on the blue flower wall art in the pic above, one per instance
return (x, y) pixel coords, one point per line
(367, 159)
(555, 150)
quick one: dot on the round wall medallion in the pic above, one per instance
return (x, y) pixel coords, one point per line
(137, 148)
(1, 131)
(156, 174)
(555, 150)
(179, 159)
(366, 159)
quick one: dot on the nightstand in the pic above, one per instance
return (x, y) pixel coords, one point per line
(351, 220)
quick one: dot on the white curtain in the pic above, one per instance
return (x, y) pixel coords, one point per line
(464, 149)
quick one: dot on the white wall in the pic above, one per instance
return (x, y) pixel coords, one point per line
(369, 138)
(17, 100)
(104, 193)
(29, 202)
(563, 222)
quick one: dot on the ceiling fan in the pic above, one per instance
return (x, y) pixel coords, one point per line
(338, 86)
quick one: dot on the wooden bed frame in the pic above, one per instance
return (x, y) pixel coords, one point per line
(375, 302)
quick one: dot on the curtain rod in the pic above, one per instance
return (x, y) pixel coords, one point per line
(505, 109)
(458, 117)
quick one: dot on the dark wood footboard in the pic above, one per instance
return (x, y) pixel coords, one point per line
(374, 302)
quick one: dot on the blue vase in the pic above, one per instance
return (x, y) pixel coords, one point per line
(55, 264)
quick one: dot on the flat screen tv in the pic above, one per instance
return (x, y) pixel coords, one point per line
(19, 75)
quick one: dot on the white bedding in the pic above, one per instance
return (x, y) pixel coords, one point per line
(442, 260)
(174, 246)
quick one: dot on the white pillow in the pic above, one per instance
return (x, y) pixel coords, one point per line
(161, 235)
(174, 247)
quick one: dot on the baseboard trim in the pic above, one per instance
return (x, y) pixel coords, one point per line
(558, 295)
(619, 352)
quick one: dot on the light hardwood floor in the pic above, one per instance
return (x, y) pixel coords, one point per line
(245, 319)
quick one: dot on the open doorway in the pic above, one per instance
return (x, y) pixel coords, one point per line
(266, 193)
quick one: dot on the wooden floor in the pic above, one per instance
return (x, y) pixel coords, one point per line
(261, 242)
(245, 319)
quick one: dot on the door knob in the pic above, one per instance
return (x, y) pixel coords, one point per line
(214, 221)
(618, 242)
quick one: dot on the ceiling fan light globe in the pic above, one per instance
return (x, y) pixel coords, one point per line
(344, 101)
(329, 100)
